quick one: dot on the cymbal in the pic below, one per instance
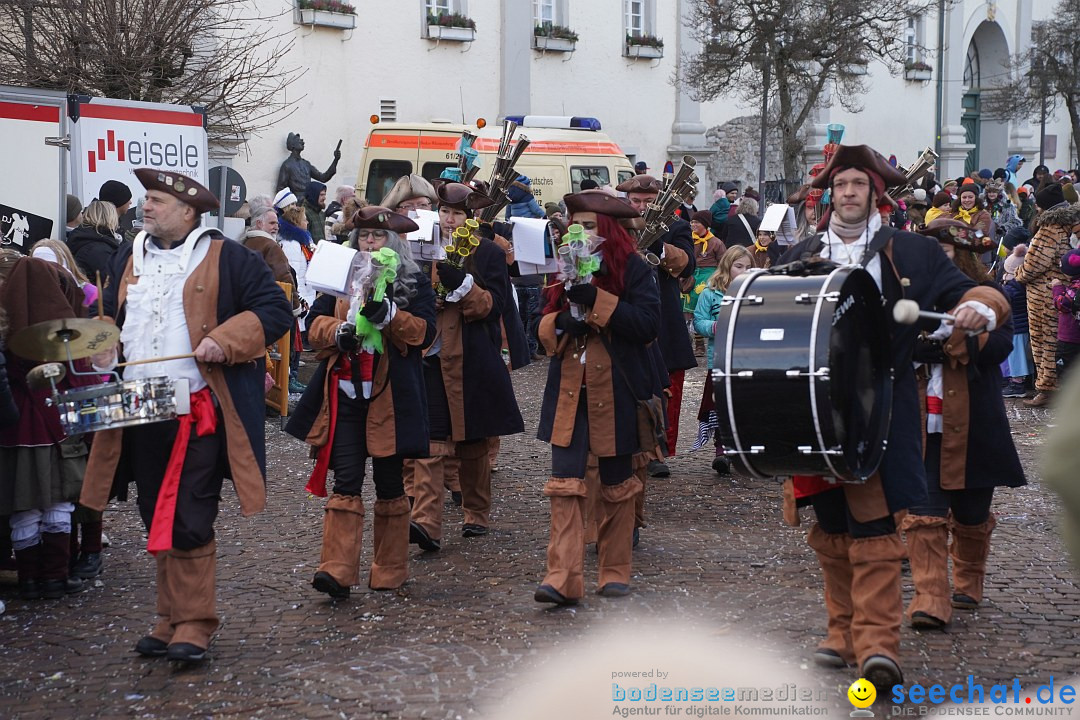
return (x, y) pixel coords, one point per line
(44, 376)
(51, 340)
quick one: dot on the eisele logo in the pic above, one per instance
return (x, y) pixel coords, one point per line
(180, 155)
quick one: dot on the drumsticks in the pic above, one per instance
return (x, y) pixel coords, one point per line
(100, 300)
(154, 360)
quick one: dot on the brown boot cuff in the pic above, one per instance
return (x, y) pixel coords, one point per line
(974, 532)
(209, 548)
(876, 549)
(565, 487)
(623, 491)
(832, 545)
(346, 503)
(912, 522)
(390, 508)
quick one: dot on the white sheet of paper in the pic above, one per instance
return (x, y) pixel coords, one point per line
(328, 269)
(529, 239)
(420, 241)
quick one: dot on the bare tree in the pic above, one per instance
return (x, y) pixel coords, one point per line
(219, 54)
(806, 46)
(1044, 77)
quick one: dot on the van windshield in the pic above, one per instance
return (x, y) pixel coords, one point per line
(382, 174)
(598, 174)
(625, 175)
(433, 170)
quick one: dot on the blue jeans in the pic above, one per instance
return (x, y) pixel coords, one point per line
(529, 308)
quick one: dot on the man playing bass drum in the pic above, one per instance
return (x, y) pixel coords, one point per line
(855, 536)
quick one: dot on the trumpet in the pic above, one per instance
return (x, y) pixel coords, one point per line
(660, 214)
(503, 173)
(463, 243)
(916, 172)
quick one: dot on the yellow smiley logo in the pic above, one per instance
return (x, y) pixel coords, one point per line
(862, 693)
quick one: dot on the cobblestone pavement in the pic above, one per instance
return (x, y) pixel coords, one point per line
(715, 553)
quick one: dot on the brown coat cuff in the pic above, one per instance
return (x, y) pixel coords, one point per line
(322, 330)
(602, 309)
(956, 346)
(241, 337)
(476, 305)
(406, 330)
(675, 260)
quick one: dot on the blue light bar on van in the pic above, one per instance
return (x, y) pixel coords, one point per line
(556, 121)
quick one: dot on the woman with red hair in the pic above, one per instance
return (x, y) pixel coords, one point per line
(600, 367)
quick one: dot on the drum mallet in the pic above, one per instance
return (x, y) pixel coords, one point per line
(156, 360)
(907, 312)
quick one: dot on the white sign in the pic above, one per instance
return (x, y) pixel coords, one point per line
(779, 218)
(110, 139)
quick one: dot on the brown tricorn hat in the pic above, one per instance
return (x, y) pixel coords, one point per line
(408, 187)
(461, 197)
(640, 184)
(862, 157)
(179, 186)
(600, 202)
(380, 218)
(957, 233)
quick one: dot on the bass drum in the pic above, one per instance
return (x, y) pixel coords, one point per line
(803, 378)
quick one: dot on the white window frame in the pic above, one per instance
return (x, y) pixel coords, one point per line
(913, 39)
(559, 12)
(452, 6)
(647, 14)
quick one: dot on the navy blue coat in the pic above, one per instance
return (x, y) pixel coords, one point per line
(674, 338)
(935, 284)
(1017, 295)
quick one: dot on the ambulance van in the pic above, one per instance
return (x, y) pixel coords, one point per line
(562, 152)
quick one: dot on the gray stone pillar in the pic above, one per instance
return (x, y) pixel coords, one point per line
(688, 132)
(954, 145)
(515, 58)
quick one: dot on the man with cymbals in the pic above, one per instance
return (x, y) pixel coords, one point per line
(855, 536)
(189, 293)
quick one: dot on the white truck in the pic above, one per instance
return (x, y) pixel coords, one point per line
(55, 144)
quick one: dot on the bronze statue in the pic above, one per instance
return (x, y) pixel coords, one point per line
(296, 172)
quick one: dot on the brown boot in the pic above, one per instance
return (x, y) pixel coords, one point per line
(343, 536)
(927, 543)
(615, 538)
(475, 487)
(494, 444)
(566, 543)
(157, 642)
(970, 548)
(390, 563)
(54, 575)
(836, 649)
(592, 499)
(877, 607)
(428, 480)
(641, 472)
(28, 567)
(191, 578)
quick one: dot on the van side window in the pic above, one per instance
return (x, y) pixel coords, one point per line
(382, 174)
(625, 175)
(599, 174)
(433, 170)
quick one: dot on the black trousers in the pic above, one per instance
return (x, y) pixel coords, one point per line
(970, 506)
(1066, 354)
(571, 461)
(149, 448)
(349, 454)
(835, 517)
(438, 406)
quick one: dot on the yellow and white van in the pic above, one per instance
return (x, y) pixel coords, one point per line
(562, 153)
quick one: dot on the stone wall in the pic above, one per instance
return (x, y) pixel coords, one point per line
(736, 157)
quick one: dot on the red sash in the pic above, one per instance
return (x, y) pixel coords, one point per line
(204, 417)
(807, 485)
(934, 405)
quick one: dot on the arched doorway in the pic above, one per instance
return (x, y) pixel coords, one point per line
(985, 61)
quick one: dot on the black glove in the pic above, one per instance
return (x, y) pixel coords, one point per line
(450, 276)
(928, 351)
(376, 312)
(565, 321)
(582, 294)
(346, 339)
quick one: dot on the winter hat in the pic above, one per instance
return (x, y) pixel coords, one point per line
(1069, 192)
(728, 187)
(1023, 190)
(1050, 196)
(74, 207)
(942, 198)
(996, 185)
(918, 197)
(312, 192)
(985, 174)
(519, 190)
(1000, 174)
(115, 192)
(551, 209)
(704, 217)
(1016, 236)
(1070, 263)
(1012, 264)
(284, 199)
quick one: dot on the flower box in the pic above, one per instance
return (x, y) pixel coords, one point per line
(855, 69)
(454, 34)
(917, 74)
(325, 18)
(644, 51)
(553, 44)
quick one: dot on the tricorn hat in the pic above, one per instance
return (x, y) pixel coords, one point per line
(958, 234)
(461, 197)
(380, 218)
(600, 202)
(179, 186)
(406, 188)
(640, 184)
(862, 157)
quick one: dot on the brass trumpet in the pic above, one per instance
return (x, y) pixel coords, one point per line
(503, 173)
(916, 172)
(463, 243)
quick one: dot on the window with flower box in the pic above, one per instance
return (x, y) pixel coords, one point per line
(326, 13)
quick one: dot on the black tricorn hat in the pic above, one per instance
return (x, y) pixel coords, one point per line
(862, 157)
(958, 234)
(179, 186)
(380, 218)
(600, 202)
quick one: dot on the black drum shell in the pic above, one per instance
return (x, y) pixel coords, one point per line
(778, 416)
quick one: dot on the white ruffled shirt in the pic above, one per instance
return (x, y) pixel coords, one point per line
(156, 325)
